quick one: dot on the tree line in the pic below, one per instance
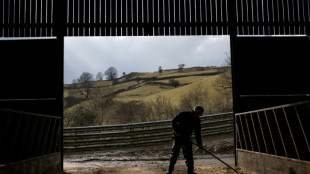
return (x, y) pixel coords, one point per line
(111, 74)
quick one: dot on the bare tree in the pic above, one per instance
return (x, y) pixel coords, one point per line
(100, 100)
(78, 116)
(85, 77)
(128, 112)
(160, 70)
(223, 101)
(138, 79)
(174, 82)
(99, 76)
(111, 73)
(224, 82)
(85, 83)
(68, 118)
(181, 67)
(195, 96)
(74, 81)
(162, 108)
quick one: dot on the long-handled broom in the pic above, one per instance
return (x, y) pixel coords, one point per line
(218, 159)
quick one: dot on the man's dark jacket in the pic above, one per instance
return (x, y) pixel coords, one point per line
(185, 123)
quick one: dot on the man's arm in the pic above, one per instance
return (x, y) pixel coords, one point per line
(176, 125)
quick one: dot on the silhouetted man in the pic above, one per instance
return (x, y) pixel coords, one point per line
(183, 125)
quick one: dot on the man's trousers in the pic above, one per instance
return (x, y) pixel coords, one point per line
(186, 145)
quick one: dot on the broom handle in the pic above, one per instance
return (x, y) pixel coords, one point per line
(218, 159)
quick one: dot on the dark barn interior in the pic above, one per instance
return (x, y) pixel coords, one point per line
(270, 71)
(30, 101)
(269, 52)
(271, 96)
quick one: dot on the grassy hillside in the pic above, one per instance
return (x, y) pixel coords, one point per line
(146, 92)
(150, 85)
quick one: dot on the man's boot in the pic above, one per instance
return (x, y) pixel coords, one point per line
(191, 173)
(171, 167)
(172, 161)
(190, 170)
(190, 165)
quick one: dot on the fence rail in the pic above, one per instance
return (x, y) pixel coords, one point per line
(283, 130)
(138, 134)
(25, 135)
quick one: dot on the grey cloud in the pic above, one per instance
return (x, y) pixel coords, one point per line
(141, 54)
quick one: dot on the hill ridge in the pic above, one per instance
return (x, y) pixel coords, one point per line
(137, 80)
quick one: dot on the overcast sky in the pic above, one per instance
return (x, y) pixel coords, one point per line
(141, 54)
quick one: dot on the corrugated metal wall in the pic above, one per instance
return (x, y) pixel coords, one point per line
(36, 18)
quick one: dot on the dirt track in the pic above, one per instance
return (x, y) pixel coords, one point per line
(152, 160)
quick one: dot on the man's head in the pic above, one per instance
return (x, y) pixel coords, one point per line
(198, 110)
